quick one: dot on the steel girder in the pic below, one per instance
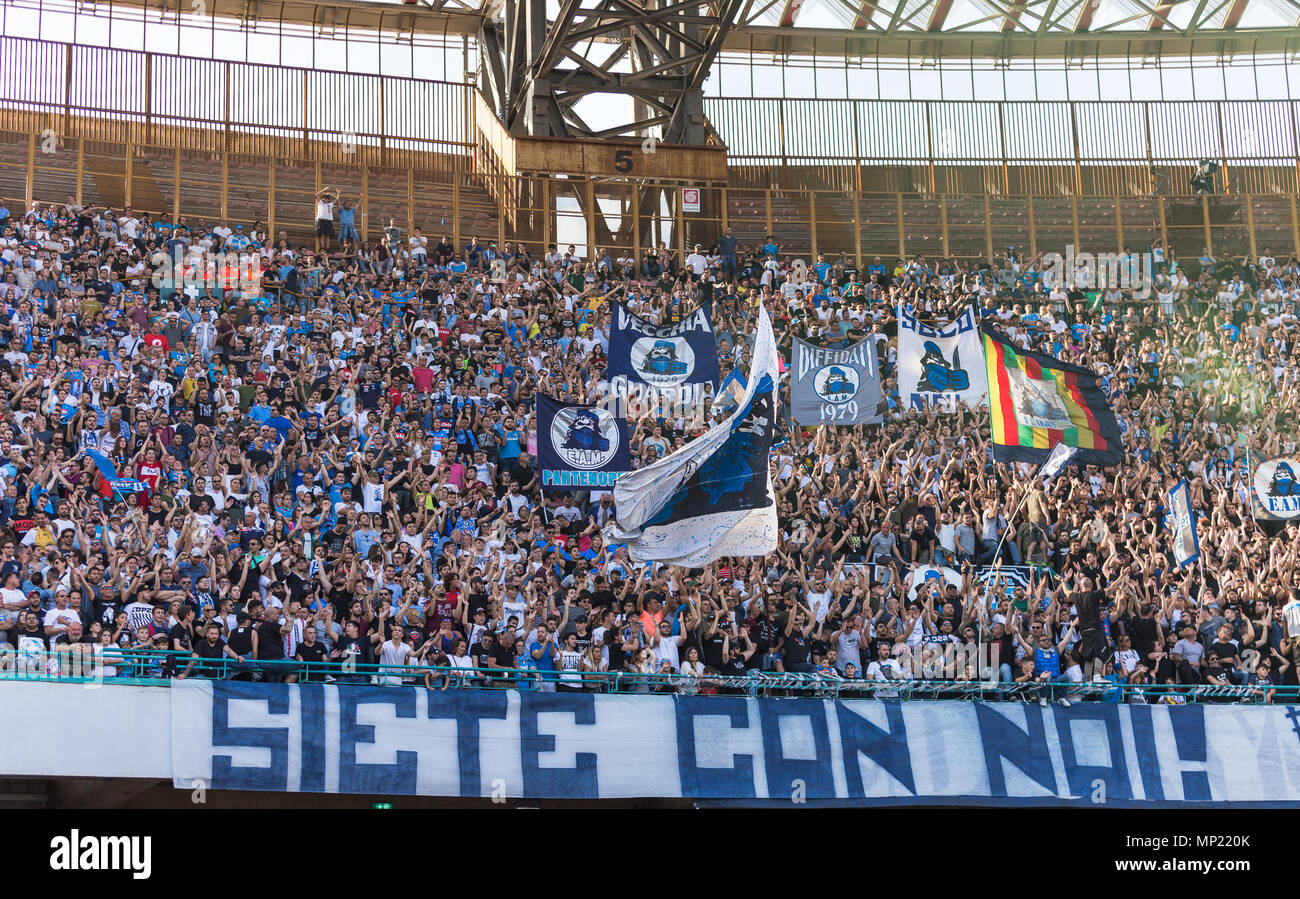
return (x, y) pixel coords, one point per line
(534, 71)
(1074, 29)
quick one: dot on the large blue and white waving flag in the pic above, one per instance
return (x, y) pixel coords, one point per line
(664, 357)
(713, 497)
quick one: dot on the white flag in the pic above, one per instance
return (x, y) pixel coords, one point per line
(1057, 460)
(941, 365)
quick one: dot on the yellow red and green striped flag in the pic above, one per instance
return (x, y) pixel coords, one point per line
(1037, 401)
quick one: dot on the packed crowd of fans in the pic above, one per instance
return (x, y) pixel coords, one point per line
(336, 445)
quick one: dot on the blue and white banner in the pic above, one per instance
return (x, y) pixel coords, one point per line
(1182, 525)
(508, 744)
(118, 485)
(1057, 459)
(712, 497)
(941, 366)
(662, 361)
(1277, 488)
(580, 447)
(1014, 577)
(836, 387)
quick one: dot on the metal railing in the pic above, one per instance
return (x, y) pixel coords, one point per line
(112, 666)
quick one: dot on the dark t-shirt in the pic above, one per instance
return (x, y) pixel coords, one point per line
(503, 654)
(796, 649)
(241, 640)
(313, 652)
(1227, 652)
(15, 635)
(64, 640)
(270, 644)
(713, 650)
(355, 648)
(1089, 604)
(476, 601)
(206, 650)
(482, 654)
(1143, 633)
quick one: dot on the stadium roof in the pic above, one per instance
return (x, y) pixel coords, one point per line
(1075, 29)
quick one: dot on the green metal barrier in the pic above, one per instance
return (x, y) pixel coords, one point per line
(110, 665)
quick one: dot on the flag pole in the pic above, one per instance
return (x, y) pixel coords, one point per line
(997, 555)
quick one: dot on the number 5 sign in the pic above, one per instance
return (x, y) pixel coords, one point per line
(690, 199)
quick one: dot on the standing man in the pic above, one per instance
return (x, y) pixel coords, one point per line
(727, 250)
(1094, 645)
(348, 222)
(325, 200)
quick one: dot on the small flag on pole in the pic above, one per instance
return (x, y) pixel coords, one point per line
(1060, 457)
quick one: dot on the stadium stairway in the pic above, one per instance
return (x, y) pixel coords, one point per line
(24, 793)
(247, 201)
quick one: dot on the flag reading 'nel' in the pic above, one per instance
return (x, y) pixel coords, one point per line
(1036, 402)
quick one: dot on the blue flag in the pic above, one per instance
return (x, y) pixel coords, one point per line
(662, 356)
(580, 447)
(1182, 523)
(119, 486)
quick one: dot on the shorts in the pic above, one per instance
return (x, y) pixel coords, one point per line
(1093, 644)
(324, 228)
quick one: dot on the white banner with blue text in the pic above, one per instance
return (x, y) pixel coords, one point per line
(508, 743)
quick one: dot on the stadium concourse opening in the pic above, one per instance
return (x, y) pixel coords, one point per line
(459, 403)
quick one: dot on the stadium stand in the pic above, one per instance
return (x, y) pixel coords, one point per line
(338, 438)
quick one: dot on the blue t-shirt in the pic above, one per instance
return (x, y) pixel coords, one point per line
(281, 424)
(547, 660)
(510, 444)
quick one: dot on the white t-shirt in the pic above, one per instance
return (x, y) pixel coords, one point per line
(324, 210)
(393, 656)
(570, 665)
(60, 617)
(1291, 611)
(846, 649)
(667, 651)
(820, 603)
